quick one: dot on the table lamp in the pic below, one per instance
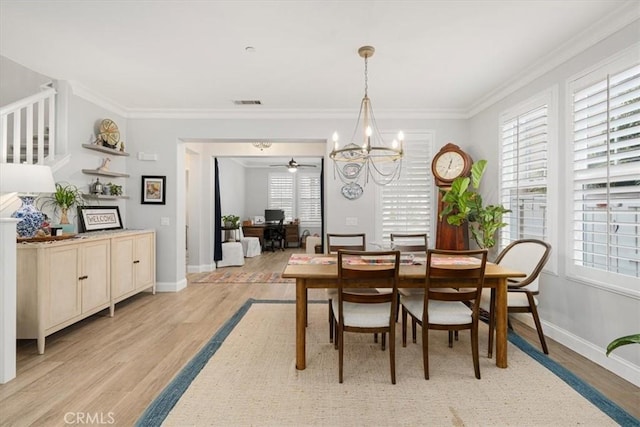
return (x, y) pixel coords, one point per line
(26, 179)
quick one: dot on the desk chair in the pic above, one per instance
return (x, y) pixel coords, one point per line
(366, 312)
(275, 233)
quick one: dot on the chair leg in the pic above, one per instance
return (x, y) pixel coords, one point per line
(474, 349)
(392, 351)
(331, 320)
(340, 352)
(536, 319)
(404, 326)
(384, 341)
(492, 322)
(425, 350)
(414, 329)
(450, 339)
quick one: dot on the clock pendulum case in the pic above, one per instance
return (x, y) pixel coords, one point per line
(448, 164)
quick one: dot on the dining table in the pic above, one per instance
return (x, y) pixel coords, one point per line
(318, 271)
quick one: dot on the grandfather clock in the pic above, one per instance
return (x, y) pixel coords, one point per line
(448, 164)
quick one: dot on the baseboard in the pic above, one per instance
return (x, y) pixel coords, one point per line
(171, 287)
(613, 363)
(200, 268)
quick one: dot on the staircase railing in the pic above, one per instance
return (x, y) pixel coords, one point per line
(27, 129)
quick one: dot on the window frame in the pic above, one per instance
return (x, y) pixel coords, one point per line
(295, 196)
(550, 98)
(411, 137)
(611, 281)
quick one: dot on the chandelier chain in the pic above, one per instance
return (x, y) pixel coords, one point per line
(366, 75)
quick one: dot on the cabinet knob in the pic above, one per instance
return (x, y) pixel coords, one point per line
(136, 261)
(83, 277)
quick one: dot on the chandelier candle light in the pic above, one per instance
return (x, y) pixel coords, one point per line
(373, 158)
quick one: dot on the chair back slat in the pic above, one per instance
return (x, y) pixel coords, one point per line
(351, 242)
(468, 279)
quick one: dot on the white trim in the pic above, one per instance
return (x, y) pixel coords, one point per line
(98, 99)
(171, 287)
(606, 26)
(550, 97)
(615, 364)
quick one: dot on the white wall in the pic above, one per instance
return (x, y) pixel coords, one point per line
(581, 316)
(18, 82)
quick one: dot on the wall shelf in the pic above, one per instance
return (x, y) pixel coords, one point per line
(103, 149)
(103, 197)
(105, 173)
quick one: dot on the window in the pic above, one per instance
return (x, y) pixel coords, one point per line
(405, 204)
(605, 228)
(526, 134)
(298, 194)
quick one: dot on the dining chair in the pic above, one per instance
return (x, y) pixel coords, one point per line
(366, 312)
(528, 256)
(415, 243)
(447, 308)
(335, 242)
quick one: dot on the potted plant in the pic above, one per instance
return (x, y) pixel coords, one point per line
(231, 221)
(463, 203)
(115, 189)
(64, 198)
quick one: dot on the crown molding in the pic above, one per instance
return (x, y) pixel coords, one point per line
(603, 28)
(98, 99)
(279, 114)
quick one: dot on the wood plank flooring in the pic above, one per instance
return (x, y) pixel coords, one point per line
(108, 370)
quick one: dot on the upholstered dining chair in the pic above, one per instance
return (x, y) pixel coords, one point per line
(335, 242)
(447, 308)
(415, 243)
(366, 312)
(528, 256)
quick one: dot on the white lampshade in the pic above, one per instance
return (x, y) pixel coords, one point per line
(26, 178)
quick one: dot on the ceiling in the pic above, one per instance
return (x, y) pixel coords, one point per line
(431, 56)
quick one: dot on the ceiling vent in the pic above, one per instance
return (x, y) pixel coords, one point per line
(247, 102)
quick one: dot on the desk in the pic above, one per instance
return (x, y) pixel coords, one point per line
(325, 275)
(291, 233)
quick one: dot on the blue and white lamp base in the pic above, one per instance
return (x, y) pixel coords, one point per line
(30, 217)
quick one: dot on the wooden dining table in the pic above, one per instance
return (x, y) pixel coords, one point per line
(318, 271)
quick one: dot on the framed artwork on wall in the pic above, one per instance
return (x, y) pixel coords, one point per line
(96, 218)
(153, 190)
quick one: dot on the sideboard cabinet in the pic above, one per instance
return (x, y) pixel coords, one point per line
(62, 282)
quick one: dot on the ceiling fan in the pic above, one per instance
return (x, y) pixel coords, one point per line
(293, 166)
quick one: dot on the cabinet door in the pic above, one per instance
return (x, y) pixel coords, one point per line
(96, 285)
(122, 266)
(63, 297)
(144, 260)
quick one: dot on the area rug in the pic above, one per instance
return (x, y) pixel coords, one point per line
(235, 277)
(246, 375)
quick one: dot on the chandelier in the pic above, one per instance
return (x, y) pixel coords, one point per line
(261, 145)
(367, 156)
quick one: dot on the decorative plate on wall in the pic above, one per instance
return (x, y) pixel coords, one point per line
(352, 191)
(109, 133)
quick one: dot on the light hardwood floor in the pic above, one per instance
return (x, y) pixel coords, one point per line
(110, 369)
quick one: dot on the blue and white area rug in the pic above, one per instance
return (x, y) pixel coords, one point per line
(246, 375)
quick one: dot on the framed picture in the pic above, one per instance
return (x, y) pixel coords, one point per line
(94, 218)
(153, 190)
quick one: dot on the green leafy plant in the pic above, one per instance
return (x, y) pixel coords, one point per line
(231, 219)
(64, 198)
(116, 190)
(462, 203)
(629, 339)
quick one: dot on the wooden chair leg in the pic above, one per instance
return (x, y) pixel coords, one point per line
(425, 350)
(384, 341)
(414, 329)
(340, 353)
(404, 326)
(392, 352)
(331, 316)
(474, 350)
(492, 322)
(450, 339)
(536, 319)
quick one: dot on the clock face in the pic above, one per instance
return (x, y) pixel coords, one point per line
(449, 165)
